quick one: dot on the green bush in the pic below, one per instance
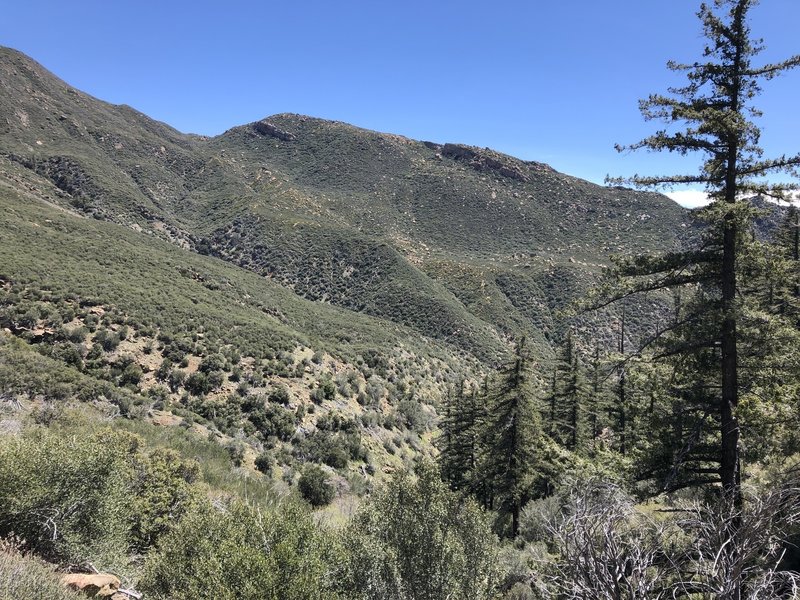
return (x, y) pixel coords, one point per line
(325, 390)
(417, 539)
(163, 490)
(240, 553)
(265, 462)
(334, 449)
(132, 375)
(273, 420)
(68, 497)
(279, 394)
(107, 339)
(198, 384)
(235, 450)
(315, 487)
(212, 363)
(91, 496)
(413, 416)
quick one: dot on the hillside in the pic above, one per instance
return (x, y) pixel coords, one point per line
(461, 244)
(304, 360)
(298, 289)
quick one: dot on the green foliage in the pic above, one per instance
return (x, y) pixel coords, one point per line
(280, 395)
(273, 420)
(460, 440)
(68, 497)
(315, 486)
(265, 462)
(412, 415)
(335, 449)
(107, 340)
(198, 384)
(709, 342)
(511, 466)
(93, 495)
(163, 490)
(565, 417)
(417, 540)
(211, 457)
(325, 390)
(235, 450)
(239, 553)
(212, 363)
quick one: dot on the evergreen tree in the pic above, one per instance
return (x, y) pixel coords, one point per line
(512, 437)
(596, 400)
(460, 437)
(715, 106)
(789, 241)
(621, 407)
(567, 396)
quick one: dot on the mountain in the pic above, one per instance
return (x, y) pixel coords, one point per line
(294, 287)
(460, 244)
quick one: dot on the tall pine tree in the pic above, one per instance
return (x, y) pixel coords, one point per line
(512, 438)
(716, 112)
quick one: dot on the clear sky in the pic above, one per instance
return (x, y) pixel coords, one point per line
(553, 81)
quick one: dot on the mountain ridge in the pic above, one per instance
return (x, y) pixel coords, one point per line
(457, 242)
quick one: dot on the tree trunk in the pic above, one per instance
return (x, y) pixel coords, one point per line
(730, 426)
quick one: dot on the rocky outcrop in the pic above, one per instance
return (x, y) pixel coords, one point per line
(483, 162)
(264, 127)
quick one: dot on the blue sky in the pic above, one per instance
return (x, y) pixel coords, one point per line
(556, 82)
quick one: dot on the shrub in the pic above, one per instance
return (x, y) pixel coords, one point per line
(279, 394)
(333, 449)
(326, 390)
(418, 539)
(315, 487)
(132, 375)
(412, 415)
(197, 384)
(176, 379)
(163, 490)
(68, 498)
(236, 452)
(212, 363)
(164, 370)
(239, 553)
(273, 420)
(108, 340)
(265, 462)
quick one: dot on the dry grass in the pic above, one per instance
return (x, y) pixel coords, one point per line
(28, 578)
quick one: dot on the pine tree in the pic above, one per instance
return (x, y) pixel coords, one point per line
(789, 241)
(512, 437)
(715, 107)
(459, 440)
(448, 448)
(566, 399)
(596, 397)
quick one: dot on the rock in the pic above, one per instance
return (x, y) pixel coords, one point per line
(264, 127)
(98, 585)
(458, 152)
(482, 162)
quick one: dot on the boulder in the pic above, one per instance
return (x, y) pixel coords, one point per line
(94, 585)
